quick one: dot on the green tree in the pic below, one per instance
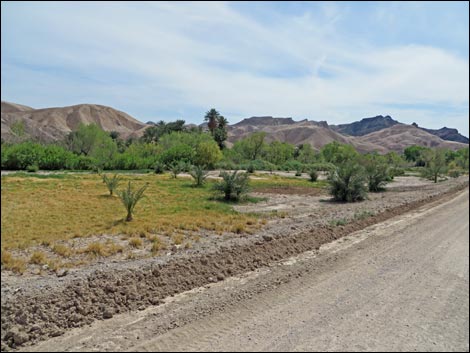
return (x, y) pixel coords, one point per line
(337, 153)
(279, 152)
(435, 164)
(415, 154)
(252, 146)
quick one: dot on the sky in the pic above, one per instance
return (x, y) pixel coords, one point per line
(333, 61)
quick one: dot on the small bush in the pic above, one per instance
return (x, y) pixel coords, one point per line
(454, 173)
(159, 168)
(178, 239)
(251, 168)
(177, 168)
(199, 175)
(377, 175)
(313, 174)
(338, 222)
(157, 245)
(298, 173)
(111, 183)
(33, 168)
(232, 185)
(348, 183)
(130, 198)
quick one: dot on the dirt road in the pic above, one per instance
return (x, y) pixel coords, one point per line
(400, 285)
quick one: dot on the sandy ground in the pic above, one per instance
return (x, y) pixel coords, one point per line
(400, 285)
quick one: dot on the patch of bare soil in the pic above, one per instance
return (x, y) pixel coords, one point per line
(292, 190)
(46, 307)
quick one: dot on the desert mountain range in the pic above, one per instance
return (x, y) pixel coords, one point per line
(381, 134)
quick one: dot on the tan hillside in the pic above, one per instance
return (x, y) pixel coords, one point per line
(52, 124)
(398, 137)
(8, 107)
(314, 133)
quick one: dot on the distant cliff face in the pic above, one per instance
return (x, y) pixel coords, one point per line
(365, 126)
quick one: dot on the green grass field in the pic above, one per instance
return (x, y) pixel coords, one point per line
(42, 209)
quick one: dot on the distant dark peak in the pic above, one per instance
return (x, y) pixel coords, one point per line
(448, 134)
(265, 120)
(322, 123)
(366, 125)
(414, 124)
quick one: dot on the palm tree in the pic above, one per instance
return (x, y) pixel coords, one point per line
(212, 118)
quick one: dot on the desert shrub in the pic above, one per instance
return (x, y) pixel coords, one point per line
(293, 165)
(376, 172)
(199, 175)
(32, 168)
(62, 250)
(130, 198)
(177, 168)
(159, 168)
(233, 185)
(454, 173)
(348, 183)
(313, 174)
(111, 183)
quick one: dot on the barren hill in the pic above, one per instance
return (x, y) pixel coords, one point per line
(52, 124)
(314, 133)
(398, 137)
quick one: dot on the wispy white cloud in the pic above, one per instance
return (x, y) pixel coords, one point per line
(177, 60)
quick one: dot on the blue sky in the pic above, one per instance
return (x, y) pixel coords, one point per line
(338, 62)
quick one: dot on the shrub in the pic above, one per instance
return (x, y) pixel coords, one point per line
(111, 183)
(298, 173)
(62, 250)
(199, 175)
(32, 168)
(159, 168)
(454, 173)
(233, 185)
(348, 183)
(130, 198)
(177, 168)
(313, 174)
(251, 168)
(377, 174)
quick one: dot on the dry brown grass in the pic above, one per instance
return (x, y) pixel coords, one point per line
(103, 249)
(38, 258)
(135, 242)
(12, 263)
(62, 250)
